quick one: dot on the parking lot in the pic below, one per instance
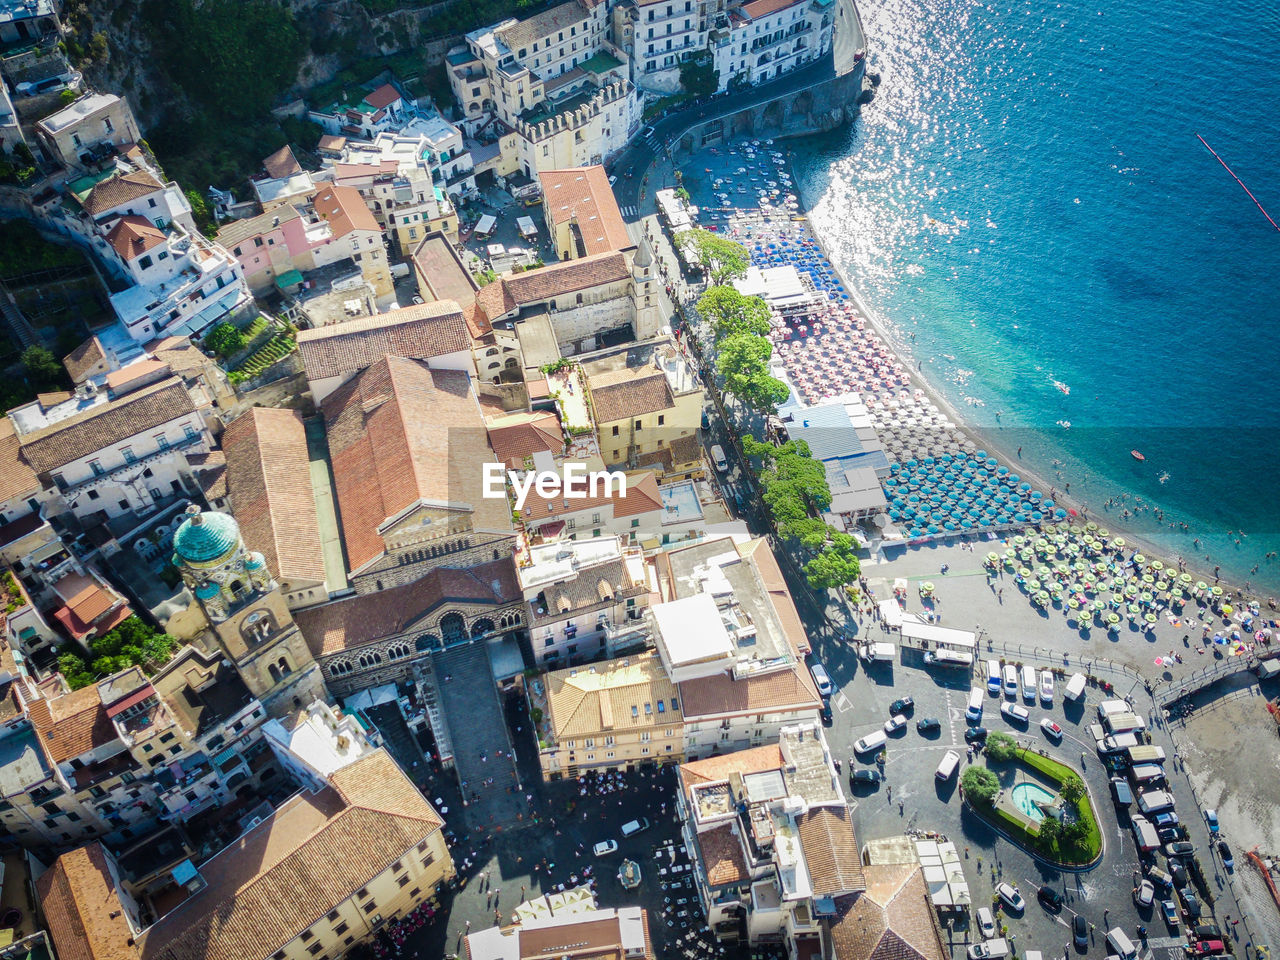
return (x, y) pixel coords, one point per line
(911, 798)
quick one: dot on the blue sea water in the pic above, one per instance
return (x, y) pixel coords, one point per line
(1026, 204)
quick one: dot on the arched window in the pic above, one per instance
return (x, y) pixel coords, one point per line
(275, 672)
(482, 627)
(453, 628)
(283, 666)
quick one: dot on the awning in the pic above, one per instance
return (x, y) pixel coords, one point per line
(224, 756)
(290, 278)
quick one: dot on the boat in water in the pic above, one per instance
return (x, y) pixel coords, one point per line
(1137, 455)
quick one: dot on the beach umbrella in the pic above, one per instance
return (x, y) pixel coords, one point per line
(1216, 591)
(1119, 543)
(1103, 532)
(1024, 572)
(1145, 596)
(1113, 618)
(1151, 619)
(1227, 609)
(1184, 578)
(1042, 597)
(1131, 590)
(1157, 565)
(1148, 579)
(1133, 609)
(1139, 559)
(1162, 586)
(1099, 605)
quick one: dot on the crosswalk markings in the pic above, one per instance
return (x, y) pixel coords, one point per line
(629, 211)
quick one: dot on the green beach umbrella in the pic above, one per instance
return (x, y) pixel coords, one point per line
(1145, 596)
(1033, 585)
(1103, 532)
(1157, 565)
(1216, 591)
(1042, 596)
(1201, 586)
(1151, 618)
(1091, 526)
(927, 586)
(1148, 579)
(1162, 585)
(1185, 577)
(1113, 618)
(1073, 603)
(1099, 605)
(1120, 542)
(1139, 559)
(1133, 609)
(1131, 590)
(1024, 572)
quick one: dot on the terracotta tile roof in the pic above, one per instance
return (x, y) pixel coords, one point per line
(84, 596)
(440, 268)
(610, 697)
(522, 435)
(545, 24)
(893, 920)
(720, 694)
(82, 909)
(182, 356)
(642, 496)
(623, 394)
(534, 286)
(582, 195)
(831, 852)
(345, 210)
(71, 725)
(775, 584)
(16, 476)
(134, 372)
(383, 96)
(495, 299)
(83, 359)
(685, 450)
(282, 163)
(723, 766)
(238, 231)
(312, 855)
(350, 622)
(478, 325)
(722, 857)
(269, 480)
(132, 236)
(419, 332)
(211, 472)
(105, 425)
(762, 8)
(401, 433)
(331, 142)
(119, 190)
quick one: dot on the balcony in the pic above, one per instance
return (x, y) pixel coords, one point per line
(69, 490)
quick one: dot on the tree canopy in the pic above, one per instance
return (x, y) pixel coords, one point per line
(730, 313)
(743, 361)
(1001, 747)
(723, 258)
(980, 785)
(131, 643)
(1072, 789)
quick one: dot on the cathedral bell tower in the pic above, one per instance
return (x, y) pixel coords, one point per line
(248, 615)
(644, 294)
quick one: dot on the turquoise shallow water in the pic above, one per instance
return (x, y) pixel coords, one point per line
(1026, 205)
(1026, 795)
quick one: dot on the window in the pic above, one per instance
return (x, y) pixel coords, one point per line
(662, 418)
(315, 948)
(257, 241)
(362, 893)
(108, 126)
(635, 523)
(144, 262)
(403, 881)
(429, 859)
(615, 431)
(369, 907)
(307, 936)
(93, 494)
(340, 929)
(639, 424)
(96, 467)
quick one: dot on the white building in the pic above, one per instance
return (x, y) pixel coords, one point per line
(114, 454)
(585, 597)
(363, 113)
(317, 741)
(730, 638)
(767, 38)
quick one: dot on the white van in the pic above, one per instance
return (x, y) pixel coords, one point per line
(1120, 944)
(1108, 707)
(1154, 801)
(993, 677)
(719, 459)
(974, 713)
(1075, 687)
(871, 742)
(1125, 723)
(1029, 683)
(947, 768)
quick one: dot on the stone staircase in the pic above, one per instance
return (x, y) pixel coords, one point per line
(469, 698)
(398, 738)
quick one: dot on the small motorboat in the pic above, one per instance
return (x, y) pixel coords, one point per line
(1137, 455)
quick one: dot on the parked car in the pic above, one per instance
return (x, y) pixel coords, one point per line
(1046, 686)
(986, 923)
(871, 743)
(1224, 852)
(825, 714)
(1167, 819)
(1080, 931)
(1211, 820)
(1010, 680)
(989, 949)
(822, 680)
(1206, 931)
(1179, 848)
(1015, 713)
(1209, 948)
(903, 706)
(1051, 729)
(1169, 910)
(1012, 899)
(1177, 873)
(1050, 897)
(605, 847)
(894, 724)
(975, 734)
(863, 775)
(1144, 894)
(928, 725)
